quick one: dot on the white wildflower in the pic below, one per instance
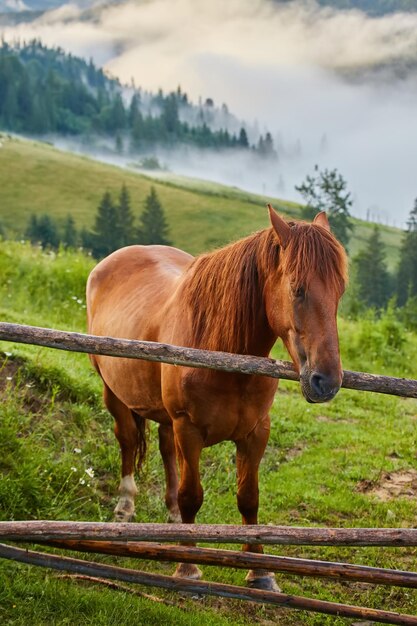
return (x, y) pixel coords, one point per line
(90, 472)
(77, 450)
(74, 469)
(82, 481)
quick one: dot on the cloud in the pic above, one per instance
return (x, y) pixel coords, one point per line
(301, 70)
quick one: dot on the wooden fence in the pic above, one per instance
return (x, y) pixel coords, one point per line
(192, 357)
(136, 540)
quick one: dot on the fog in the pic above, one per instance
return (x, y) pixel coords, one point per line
(334, 88)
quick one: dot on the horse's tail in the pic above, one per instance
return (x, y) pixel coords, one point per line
(142, 428)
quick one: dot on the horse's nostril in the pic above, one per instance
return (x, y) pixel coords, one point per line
(317, 383)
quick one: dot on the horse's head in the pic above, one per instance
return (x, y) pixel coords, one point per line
(302, 301)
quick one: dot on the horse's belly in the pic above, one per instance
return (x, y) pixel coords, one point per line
(137, 384)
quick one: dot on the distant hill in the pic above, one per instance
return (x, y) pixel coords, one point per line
(37, 178)
(372, 7)
(10, 6)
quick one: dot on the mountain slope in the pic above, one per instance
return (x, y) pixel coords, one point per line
(36, 177)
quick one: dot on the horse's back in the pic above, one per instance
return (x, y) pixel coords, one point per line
(127, 290)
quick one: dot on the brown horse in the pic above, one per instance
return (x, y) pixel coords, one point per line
(284, 281)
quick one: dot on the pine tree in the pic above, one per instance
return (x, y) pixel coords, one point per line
(373, 280)
(153, 228)
(243, 139)
(170, 113)
(125, 218)
(48, 232)
(31, 231)
(134, 112)
(326, 191)
(70, 235)
(104, 238)
(407, 270)
(43, 231)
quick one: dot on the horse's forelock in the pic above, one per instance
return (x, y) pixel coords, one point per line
(313, 251)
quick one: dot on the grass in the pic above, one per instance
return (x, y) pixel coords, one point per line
(53, 428)
(36, 177)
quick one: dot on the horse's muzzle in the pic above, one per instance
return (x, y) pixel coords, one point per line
(318, 387)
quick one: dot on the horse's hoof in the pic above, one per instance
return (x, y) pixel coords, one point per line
(174, 517)
(124, 511)
(188, 570)
(121, 517)
(265, 582)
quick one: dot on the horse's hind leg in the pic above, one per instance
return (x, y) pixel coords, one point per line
(167, 450)
(126, 432)
(249, 452)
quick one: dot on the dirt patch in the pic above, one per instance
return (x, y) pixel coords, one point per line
(294, 452)
(334, 420)
(400, 484)
(10, 375)
(8, 371)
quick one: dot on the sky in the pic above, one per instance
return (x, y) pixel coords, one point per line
(301, 71)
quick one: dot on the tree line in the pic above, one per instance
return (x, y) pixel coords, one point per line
(114, 226)
(44, 91)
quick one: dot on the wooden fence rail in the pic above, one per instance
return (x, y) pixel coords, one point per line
(208, 533)
(241, 560)
(192, 357)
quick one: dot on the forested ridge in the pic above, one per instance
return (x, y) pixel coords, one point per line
(47, 91)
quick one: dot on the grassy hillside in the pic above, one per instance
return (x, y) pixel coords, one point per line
(35, 177)
(324, 465)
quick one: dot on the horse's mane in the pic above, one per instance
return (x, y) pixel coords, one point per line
(225, 288)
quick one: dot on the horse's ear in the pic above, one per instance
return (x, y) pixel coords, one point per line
(281, 227)
(322, 220)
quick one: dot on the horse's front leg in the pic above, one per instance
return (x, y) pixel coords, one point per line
(188, 443)
(249, 452)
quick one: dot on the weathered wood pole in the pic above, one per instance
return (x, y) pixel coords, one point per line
(31, 531)
(191, 357)
(243, 560)
(201, 587)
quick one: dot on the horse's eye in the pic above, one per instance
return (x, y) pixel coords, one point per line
(299, 293)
